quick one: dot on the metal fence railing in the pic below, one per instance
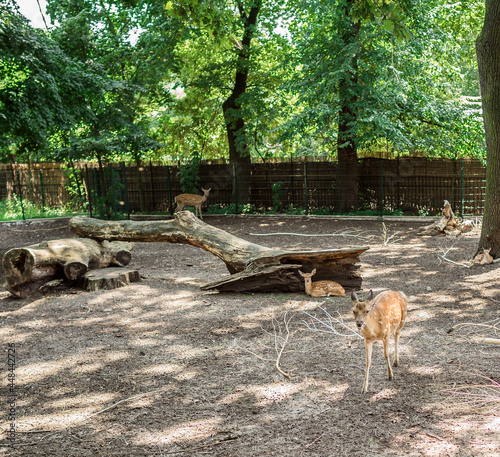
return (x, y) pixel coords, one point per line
(408, 185)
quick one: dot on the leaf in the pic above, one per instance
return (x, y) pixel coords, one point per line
(388, 25)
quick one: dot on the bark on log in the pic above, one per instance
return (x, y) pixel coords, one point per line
(447, 225)
(253, 268)
(28, 268)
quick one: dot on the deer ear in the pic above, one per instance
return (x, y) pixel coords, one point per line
(354, 296)
(301, 274)
(313, 272)
(370, 295)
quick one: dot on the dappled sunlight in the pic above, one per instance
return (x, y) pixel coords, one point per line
(384, 394)
(275, 392)
(184, 432)
(426, 371)
(162, 368)
(38, 371)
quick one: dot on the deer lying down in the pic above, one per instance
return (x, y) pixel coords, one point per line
(378, 318)
(483, 259)
(323, 288)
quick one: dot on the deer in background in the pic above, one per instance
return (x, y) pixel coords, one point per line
(378, 318)
(321, 288)
(183, 200)
(483, 259)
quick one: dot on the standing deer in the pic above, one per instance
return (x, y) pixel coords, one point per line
(378, 318)
(321, 288)
(183, 200)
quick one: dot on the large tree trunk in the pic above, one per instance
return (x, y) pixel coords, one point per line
(27, 269)
(239, 153)
(488, 58)
(346, 186)
(253, 268)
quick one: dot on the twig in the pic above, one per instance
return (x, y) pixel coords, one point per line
(283, 344)
(472, 325)
(491, 341)
(452, 261)
(388, 240)
(329, 323)
(122, 401)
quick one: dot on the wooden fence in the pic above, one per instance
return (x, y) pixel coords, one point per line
(407, 184)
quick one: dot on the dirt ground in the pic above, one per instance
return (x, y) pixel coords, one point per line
(163, 368)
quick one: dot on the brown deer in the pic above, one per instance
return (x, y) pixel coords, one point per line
(183, 200)
(321, 288)
(483, 259)
(377, 319)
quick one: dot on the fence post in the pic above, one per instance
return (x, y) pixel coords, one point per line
(235, 189)
(381, 187)
(20, 193)
(89, 189)
(113, 193)
(127, 203)
(152, 184)
(306, 190)
(462, 183)
(41, 190)
(169, 184)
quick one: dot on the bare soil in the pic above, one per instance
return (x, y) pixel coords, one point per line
(163, 368)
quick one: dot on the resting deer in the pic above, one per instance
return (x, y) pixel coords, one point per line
(183, 200)
(378, 318)
(321, 288)
(483, 259)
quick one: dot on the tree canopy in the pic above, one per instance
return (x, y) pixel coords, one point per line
(240, 79)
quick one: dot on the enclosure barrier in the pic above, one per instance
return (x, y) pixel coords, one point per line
(407, 185)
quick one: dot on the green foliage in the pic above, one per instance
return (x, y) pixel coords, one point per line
(277, 195)
(141, 80)
(109, 203)
(190, 175)
(15, 209)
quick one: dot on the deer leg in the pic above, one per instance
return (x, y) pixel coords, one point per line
(368, 350)
(386, 355)
(179, 207)
(199, 211)
(396, 344)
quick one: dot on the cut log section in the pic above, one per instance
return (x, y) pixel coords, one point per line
(28, 268)
(447, 225)
(253, 268)
(108, 278)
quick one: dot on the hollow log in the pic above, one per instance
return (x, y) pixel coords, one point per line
(253, 268)
(28, 268)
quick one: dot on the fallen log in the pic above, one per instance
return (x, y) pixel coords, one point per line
(448, 224)
(28, 268)
(253, 268)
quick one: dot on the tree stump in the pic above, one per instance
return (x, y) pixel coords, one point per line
(253, 268)
(27, 269)
(108, 278)
(447, 225)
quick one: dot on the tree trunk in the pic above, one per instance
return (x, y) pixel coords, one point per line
(488, 58)
(239, 153)
(346, 186)
(27, 269)
(254, 268)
